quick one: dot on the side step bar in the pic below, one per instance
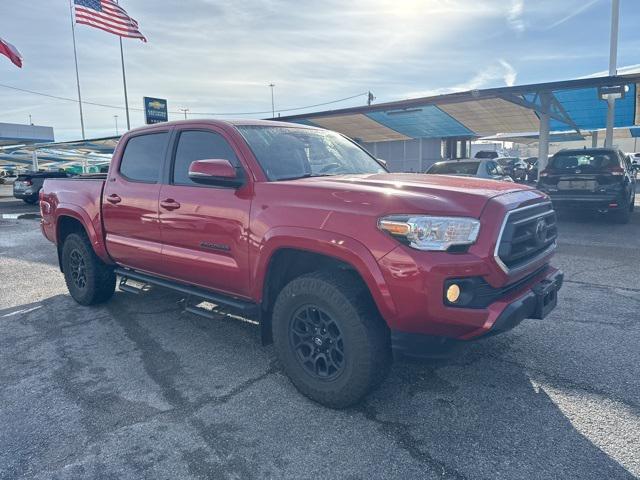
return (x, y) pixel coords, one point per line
(243, 307)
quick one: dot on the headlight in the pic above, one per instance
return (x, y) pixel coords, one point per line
(431, 233)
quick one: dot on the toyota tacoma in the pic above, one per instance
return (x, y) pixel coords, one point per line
(343, 264)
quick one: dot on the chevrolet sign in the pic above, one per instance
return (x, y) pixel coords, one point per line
(155, 110)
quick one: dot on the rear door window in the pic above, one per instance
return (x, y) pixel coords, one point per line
(588, 162)
(143, 157)
(199, 145)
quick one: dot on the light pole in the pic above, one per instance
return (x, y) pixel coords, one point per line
(184, 110)
(273, 105)
(613, 60)
(116, 119)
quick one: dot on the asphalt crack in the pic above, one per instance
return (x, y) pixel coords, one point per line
(402, 437)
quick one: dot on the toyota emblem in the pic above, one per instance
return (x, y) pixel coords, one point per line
(540, 234)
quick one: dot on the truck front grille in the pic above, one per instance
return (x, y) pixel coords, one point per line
(527, 234)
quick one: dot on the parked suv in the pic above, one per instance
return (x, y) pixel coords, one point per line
(593, 179)
(27, 186)
(339, 261)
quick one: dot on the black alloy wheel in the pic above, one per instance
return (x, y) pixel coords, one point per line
(317, 340)
(78, 269)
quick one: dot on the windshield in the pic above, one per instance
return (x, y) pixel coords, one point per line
(287, 153)
(457, 168)
(582, 160)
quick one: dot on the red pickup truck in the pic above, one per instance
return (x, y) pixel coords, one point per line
(342, 263)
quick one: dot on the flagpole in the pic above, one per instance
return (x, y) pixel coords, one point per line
(75, 57)
(124, 81)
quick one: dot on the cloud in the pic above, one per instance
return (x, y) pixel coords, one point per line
(574, 12)
(509, 74)
(514, 15)
(496, 74)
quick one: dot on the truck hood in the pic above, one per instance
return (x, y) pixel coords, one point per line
(417, 193)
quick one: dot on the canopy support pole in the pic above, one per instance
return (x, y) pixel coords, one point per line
(543, 143)
(613, 60)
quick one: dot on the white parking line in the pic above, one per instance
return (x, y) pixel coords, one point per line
(18, 216)
(24, 310)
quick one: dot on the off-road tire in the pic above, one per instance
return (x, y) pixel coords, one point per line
(99, 278)
(365, 336)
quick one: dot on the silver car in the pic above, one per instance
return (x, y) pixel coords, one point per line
(470, 167)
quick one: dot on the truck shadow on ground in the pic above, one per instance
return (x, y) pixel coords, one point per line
(135, 387)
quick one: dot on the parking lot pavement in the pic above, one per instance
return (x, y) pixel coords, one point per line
(137, 389)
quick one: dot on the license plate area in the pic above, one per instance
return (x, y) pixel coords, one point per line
(588, 185)
(546, 298)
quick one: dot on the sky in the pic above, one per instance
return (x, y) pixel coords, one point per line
(219, 56)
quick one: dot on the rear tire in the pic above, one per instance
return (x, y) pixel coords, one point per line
(30, 200)
(88, 278)
(330, 338)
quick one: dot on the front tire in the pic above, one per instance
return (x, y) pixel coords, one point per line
(330, 338)
(88, 278)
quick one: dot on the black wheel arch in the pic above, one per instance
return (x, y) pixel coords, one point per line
(65, 226)
(286, 264)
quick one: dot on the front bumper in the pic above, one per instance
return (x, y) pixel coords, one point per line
(536, 302)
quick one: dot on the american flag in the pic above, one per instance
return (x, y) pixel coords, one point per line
(107, 15)
(10, 51)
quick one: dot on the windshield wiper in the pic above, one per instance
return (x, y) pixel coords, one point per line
(308, 175)
(305, 175)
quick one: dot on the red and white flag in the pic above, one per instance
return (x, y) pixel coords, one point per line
(10, 51)
(107, 15)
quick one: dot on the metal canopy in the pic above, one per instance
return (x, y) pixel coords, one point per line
(572, 105)
(562, 136)
(62, 154)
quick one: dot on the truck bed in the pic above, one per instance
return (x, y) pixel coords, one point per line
(78, 197)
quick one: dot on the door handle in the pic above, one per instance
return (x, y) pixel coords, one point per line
(169, 204)
(113, 198)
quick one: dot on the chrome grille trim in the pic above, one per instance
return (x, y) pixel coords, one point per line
(532, 260)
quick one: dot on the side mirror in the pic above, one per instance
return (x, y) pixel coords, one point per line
(382, 162)
(215, 172)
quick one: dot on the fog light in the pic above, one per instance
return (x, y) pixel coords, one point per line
(453, 293)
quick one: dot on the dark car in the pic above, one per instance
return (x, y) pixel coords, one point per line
(27, 186)
(597, 179)
(514, 167)
(481, 168)
(486, 154)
